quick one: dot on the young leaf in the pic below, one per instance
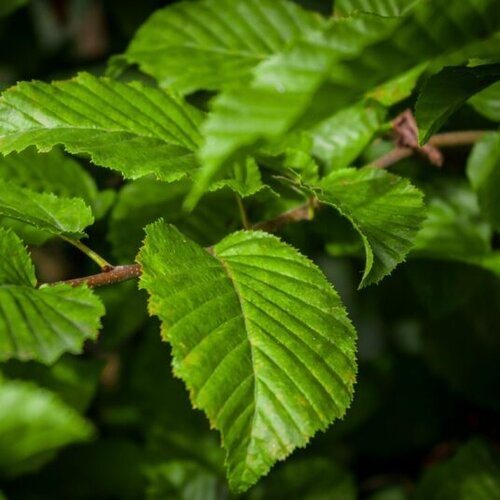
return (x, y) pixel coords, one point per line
(487, 102)
(40, 323)
(319, 76)
(60, 216)
(446, 91)
(263, 343)
(34, 421)
(386, 210)
(208, 44)
(131, 128)
(483, 170)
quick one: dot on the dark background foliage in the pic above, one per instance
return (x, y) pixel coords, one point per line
(429, 377)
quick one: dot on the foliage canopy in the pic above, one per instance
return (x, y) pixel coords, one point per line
(221, 123)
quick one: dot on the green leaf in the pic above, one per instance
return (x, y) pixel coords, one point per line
(487, 102)
(263, 343)
(40, 323)
(34, 421)
(317, 77)
(131, 128)
(208, 44)
(446, 91)
(483, 171)
(472, 474)
(386, 210)
(60, 216)
(380, 7)
(55, 173)
(339, 140)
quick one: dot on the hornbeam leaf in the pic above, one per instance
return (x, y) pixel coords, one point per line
(129, 127)
(34, 422)
(61, 216)
(386, 210)
(483, 170)
(446, 91)
(263, 344)
(320, 75)
(41, 323)
(207, 44)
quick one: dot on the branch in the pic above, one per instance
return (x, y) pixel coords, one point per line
(462, 138)
(393, 156)
(116, 274)
(302, 212)
(446, 139)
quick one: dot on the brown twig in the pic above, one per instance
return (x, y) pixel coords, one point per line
(461, 138)
(406, 129)
(393, 156)
(446, 139)
(115, 275)
(302, 212)
(118, 274)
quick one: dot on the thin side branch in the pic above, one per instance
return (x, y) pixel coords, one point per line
(300, 213)
(115, 275)
(392, 157)
(461, 138)
(446, 139)
(100, 261)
